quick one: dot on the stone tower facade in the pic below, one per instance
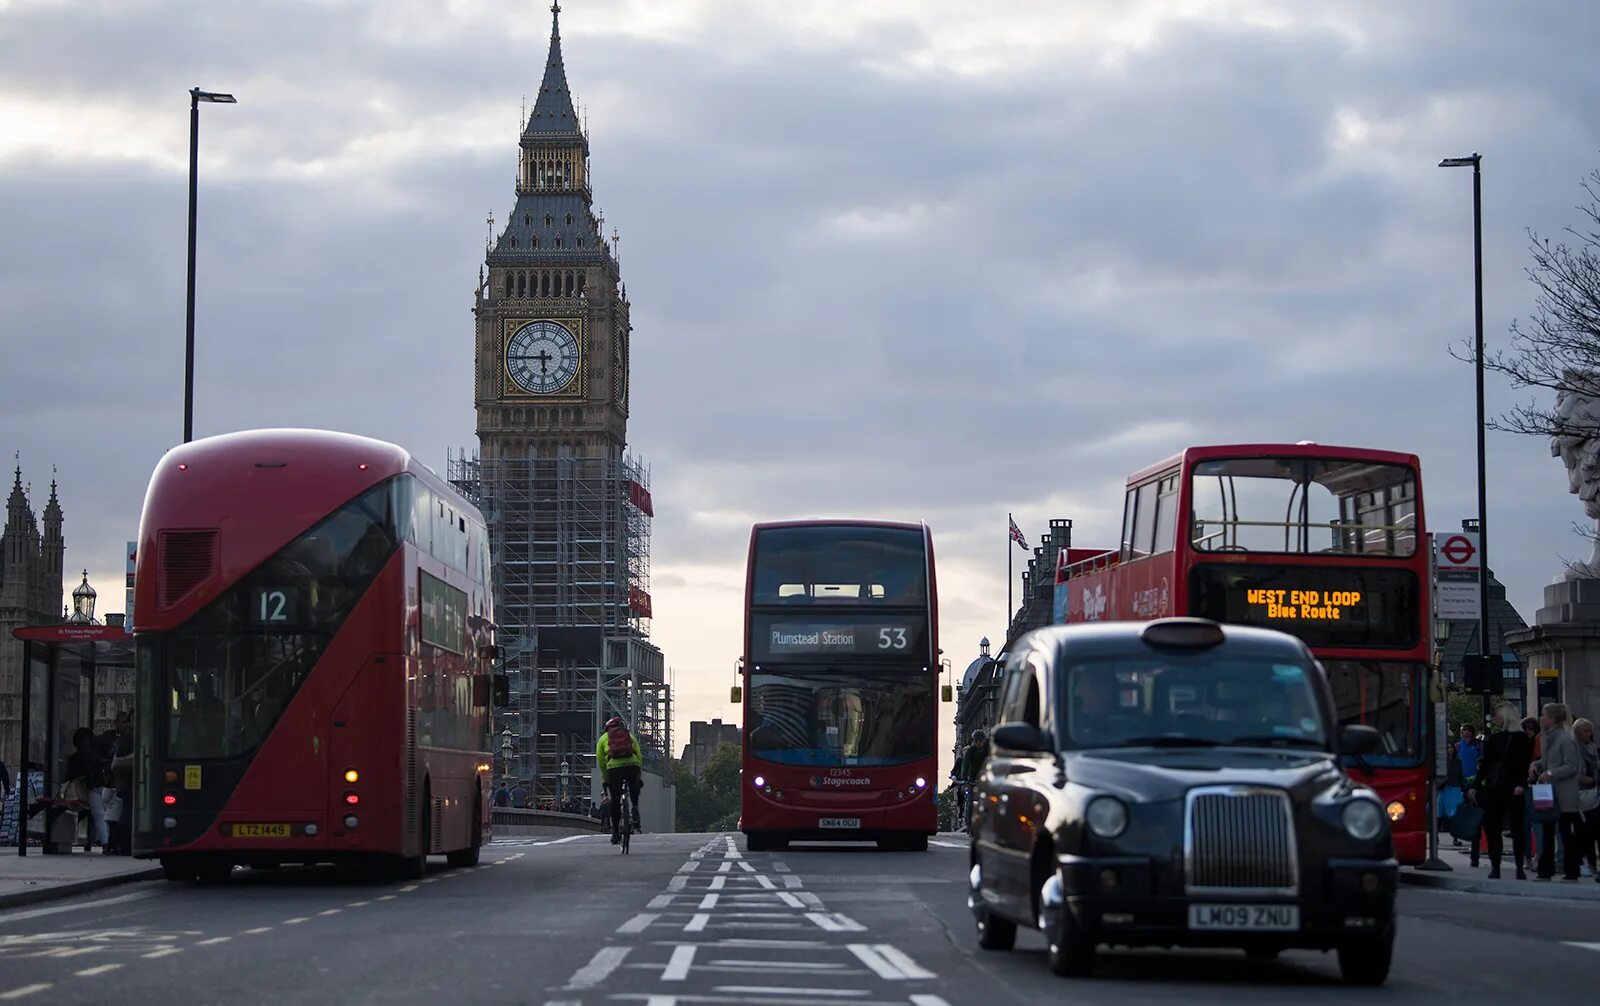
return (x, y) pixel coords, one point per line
(31, 562)
(552, 313)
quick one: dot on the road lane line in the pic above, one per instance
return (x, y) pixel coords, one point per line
(810, 900)
(791, 881)
(638, 924)
(600, 966)
(408, 889)
(331, 911)
(928, 1000)
(689, 867)
(709, 901)
(98, 969)
(358, 904)
(833, 922)
(678, 882)
(725, 867)
(678, 965)
(717, 883)
(908, 967)
(213, 941)
(883, 968)
(779, 990)
(790, 900)
(660, 901)
(27, 990)
(780, 866)
(697, 924)
(295, 922)
(746, 867)
(164, 952)
(1583, 946)
(258, 929)
(765, 882)
(36, 913)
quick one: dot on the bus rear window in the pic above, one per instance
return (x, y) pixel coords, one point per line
(1304, 506)
(840, 564)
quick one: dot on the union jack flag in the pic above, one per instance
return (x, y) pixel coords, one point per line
(1016, 534)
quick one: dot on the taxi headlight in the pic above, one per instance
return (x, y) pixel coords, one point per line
(1362, 819)
(1106, 816)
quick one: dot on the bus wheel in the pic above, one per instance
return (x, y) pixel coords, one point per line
(756, 842)
(469, 856)
(178, 869)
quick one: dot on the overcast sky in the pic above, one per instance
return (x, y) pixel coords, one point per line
(908, 258)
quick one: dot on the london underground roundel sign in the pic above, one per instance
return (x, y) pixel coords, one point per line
(1459, 550)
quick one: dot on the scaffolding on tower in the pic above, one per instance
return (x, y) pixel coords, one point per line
(570, 551)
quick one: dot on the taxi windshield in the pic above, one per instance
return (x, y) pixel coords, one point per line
(1192, 700)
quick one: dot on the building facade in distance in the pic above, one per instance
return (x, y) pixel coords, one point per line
(31, 561)
(704, 740)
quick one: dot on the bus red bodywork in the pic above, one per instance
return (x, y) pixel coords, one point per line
(1353, 586)
(840, 684)
(313, 627)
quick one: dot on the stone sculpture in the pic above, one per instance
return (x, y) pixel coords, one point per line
(1577, 414)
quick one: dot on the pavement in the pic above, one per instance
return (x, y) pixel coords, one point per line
(698, 919)
(37, 877)
(1466, 878)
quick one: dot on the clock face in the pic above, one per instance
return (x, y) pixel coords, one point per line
(542, 357)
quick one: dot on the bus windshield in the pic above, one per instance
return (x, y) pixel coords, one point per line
(1304, 506)
(839, 718)
(840, 564)
(1385, 695)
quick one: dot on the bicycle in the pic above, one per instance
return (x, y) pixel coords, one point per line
(625, 809)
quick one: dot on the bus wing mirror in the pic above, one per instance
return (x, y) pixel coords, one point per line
(1357, 739)
(947, 694)
(502, 690)
(736, 695)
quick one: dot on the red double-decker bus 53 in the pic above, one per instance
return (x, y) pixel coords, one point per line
(314, 637)
(1321, 542)
(840, 684)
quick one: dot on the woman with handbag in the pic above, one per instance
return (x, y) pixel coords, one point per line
(82, 784)
(1589, 795)
(1558, 773)
(1498, 789)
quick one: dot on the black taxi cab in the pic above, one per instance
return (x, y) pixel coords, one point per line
(1176, 783)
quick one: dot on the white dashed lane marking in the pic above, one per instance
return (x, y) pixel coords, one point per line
(26, 990)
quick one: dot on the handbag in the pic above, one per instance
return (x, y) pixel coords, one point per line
(113, 805)
(73, 791)
(1466, 822)
(1544, 797)
(1589, 799)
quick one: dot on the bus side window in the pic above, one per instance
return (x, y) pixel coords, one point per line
(1166, 522)
(1128, 511)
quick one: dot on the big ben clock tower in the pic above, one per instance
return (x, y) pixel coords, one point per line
(567, 504)
(552, 340)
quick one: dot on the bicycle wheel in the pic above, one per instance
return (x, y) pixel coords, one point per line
(627, 823)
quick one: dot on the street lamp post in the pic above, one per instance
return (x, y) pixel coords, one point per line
(196, 96)
(1474, 161)
(506, 752)
(566, 775)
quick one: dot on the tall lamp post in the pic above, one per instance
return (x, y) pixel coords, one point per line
(196, 96)
(566, 775)
(506, 753)
(1490, 668)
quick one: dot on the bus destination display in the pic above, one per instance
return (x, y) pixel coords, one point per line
(1323, 605)
(777, 637)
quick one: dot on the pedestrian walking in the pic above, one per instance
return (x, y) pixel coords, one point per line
(1561, 768)
(1498, 788)
(1589, 798)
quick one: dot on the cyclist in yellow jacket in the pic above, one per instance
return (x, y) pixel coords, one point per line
(620, 761)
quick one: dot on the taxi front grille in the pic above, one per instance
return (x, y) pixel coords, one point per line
(1240, 838)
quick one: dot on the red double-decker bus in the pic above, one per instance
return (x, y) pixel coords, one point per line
(1326, 543)
(313, 633)
(840, 684)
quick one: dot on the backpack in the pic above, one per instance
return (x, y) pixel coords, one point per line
(619, 742)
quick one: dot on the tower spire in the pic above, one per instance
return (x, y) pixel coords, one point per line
(552, 109)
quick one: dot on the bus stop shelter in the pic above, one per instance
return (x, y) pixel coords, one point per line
(59, 667)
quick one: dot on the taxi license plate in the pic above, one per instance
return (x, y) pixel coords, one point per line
(260, 831)
(839, 822)
(1245, 918)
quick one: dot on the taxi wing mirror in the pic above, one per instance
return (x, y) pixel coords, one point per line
(502, 690)
(1020, 737)
(736, 695)
(1357, 739)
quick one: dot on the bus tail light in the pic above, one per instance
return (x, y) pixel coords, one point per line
(171, 799)
(352, 799)
(351, 775)
(170, 776)
(350, 821)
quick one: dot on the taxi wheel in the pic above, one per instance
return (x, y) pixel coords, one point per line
(1365, 960)
(1071, 951)
(995, 933)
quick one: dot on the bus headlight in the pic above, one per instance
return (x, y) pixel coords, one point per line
(1363, 820)
(1106, 816)
(1396, 811)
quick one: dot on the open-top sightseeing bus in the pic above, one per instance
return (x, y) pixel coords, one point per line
(840, 683)
(1327, 543)
(313, 632)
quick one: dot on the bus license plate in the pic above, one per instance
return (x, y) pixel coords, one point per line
(1245, 918)
(260, 831)
(839, 822)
